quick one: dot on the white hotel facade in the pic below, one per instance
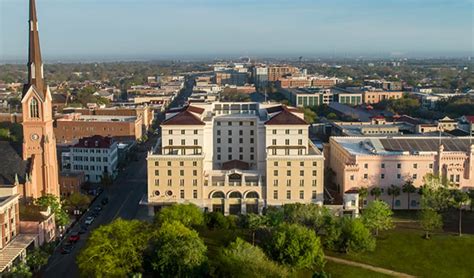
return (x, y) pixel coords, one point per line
(235, 158)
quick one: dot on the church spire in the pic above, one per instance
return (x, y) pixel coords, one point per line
(35, 64)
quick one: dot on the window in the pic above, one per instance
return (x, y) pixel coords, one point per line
(251, 132)
(288, 183)
(195, 142)
(301, 183)
(300, 142)
(218, 133)
(241, 132)
(170, 131)
(181, 182)
(241, 149)
(195, 172)
(288, 173)
(157, 182)
(315, 163)
(183, 142)
(195, 131)
(275, 173)
(251, 140)
(397, 203)
(415, 166)
(275, 182)
(288, 194)
(382, 176)
(157, 172)
(315, 173)
(183, 131)
(301, 173)
(169, 163)
(181, 194)
(287, 131)
(218, 123)
(218, 149)
(366, 166)
(288, 163)
(366, 176)
(274, 131)
(240, 123)
(431, 165)
(169, 183)
(414, 176)
(229, 123)
(241, 140)
(252, 157)
(314, 194)
(275, 194)
(195, 163)
(181, 172)
(34, 111)
(383, 165)
(195, 194)
(218, 157)
(181, 163)
(218, 140)
(274, 141)
(195, 182)
(170, 142)
(352, 177)
(275, 163)
(287, 141)
(399, 176)
(229, 132)
(229, 149)
(301, 194)
(302, 163)
(252, 149)
(300, 131)
(399, 165)
(169, 173)
(229, 141)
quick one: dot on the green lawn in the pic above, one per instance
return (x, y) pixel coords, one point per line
(404, 250)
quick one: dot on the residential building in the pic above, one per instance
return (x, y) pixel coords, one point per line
(385, 161)
(302, 97)
(274, 73)
(234, 158)
(71, 182)
(96, 156)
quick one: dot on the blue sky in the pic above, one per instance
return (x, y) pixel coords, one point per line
(159, 28)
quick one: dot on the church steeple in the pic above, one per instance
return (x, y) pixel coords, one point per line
(35, 63)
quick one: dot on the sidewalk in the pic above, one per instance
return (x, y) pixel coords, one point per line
(369, 267)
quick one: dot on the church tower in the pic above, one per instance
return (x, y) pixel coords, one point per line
(39, 143)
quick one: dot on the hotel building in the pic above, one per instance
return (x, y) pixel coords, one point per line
(384, 161)
(234, 158)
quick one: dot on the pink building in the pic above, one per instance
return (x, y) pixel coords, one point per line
(382, 161)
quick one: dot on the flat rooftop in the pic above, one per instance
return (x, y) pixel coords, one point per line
(400, 145)
(100, 118)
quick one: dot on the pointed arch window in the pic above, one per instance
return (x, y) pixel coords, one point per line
(34, 112)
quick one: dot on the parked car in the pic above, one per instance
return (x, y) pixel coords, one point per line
(89, 220)
(74, 237)
(83, 229)
(97, 208)
(104, 201)
(67, 248)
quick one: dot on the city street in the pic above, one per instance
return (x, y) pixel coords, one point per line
(124, 197)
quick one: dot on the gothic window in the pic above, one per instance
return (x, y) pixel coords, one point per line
(34, 112)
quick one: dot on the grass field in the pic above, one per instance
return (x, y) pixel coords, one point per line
(342, 271)
(405, 250)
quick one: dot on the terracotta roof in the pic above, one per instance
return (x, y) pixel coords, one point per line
(353, 190)
(235, 164)
(95, 141)
(285, 117)
(195, 109)
(183, 118)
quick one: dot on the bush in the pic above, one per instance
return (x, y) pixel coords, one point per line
(296, 246)
(241, 259)
(355, 237)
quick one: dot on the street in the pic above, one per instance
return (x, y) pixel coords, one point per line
(124, 197)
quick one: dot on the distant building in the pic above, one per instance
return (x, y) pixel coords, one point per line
(260, 76)
(277, 72)
(71, 182)
(303, 97)
(96, 156)
(73, 127)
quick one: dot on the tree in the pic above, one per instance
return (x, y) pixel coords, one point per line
(21, 270)
(430, 221)
(376, 192)
(435, 193)
(241, 259)
(459, 199)
(37, 259)
(188, 214)
(178, 251)
(363, 193)
(393, 191)
(216, 220)
(332, 116)
(355, 236)
(377, 217)
(115, 249)
(255, 222)
(408, 188)
(51, 201)
(309, 115)
(78, 200)
(296, 246)
(309, 215)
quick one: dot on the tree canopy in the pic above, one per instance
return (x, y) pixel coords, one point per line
(188, 214)
(355, 237)
(115, 249)
(377, 216)
(178, 251)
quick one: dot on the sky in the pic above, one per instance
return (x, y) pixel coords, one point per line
(89, 29)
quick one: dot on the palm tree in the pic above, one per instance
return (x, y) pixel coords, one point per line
(363, 193)
(376, 192)
(394, 191)
(408, 188)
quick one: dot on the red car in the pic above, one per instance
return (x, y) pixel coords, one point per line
(74, 237)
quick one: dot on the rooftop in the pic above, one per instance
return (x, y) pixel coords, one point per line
(401, 145)
(95, 141)
(12, 164)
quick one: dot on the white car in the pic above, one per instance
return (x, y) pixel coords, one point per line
(89, 220)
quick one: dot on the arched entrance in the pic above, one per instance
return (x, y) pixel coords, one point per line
(217, 199)
(251, 202)
(235, 199)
